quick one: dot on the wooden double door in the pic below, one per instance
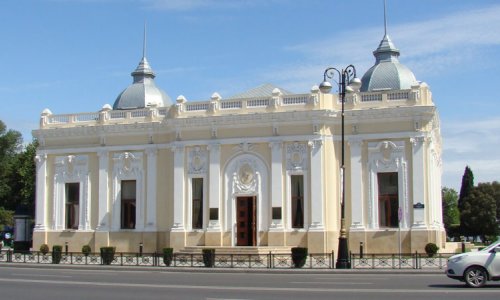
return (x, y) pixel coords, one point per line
(246, 220)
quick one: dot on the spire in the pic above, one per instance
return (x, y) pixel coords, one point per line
(386, 50)
(144, 42)
(143, 70)
(385, 19)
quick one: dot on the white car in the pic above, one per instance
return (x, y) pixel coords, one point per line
(475, 268)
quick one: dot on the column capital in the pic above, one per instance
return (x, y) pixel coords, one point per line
(277, 145)
(314, 144)
(417, 141)
(215, 147)
(177, 148)
(151, 152)
(40, 158)
(355, 142)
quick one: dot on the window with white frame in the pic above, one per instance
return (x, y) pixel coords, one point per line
(72, 207)
(388, 200)
(128, 204)
(197, 203)
(297, 200)
(388, 205)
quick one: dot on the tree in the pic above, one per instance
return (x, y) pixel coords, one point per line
(478, 216)
(493, 188)
(451, 215)
(10, 146)
(24, 177)
(6, 218)
(467, 186)
(465, 191)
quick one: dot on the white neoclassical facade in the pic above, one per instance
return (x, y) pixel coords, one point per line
(259, 169)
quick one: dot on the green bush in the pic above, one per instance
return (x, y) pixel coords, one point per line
(86, 250)
(209, 257)
(299, 256)
(44, 248)
(56, 254)
(107, 255)
(168, 254)
(431, 249)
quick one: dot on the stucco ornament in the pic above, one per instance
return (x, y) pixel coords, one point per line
(197, 161)
(245, 176)
(128, 163)
(296, 156)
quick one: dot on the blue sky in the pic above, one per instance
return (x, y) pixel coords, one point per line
(76, 55)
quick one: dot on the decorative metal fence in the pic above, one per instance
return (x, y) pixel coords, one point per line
(399, 261)
(262, 261)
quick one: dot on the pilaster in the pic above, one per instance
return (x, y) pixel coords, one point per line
(357, 207)
(179, 193)
(276, 185)
(152, 155)
(41, 190)
(103, 211)
(214, 176)
(316, 178)
(418, 182)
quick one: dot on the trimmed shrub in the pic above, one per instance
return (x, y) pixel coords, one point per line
(56, 254)
(44, 249)
(209, 257)
(431, 249)
(86, 250)
(299, 256)
(168, 254)
(107, 255)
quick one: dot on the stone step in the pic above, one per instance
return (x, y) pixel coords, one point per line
(238, 250)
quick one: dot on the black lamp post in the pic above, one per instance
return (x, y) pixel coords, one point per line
(347, 83)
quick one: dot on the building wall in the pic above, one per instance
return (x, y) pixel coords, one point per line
(277, 142)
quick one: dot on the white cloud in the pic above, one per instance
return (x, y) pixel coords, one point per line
(428, 47)
(474, 144)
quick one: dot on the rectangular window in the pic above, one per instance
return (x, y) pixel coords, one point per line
(72, 205)
(197, 196)
(128, 203)
(297, 191)
(388, 201)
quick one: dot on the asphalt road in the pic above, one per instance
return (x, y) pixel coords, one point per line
(81, 283)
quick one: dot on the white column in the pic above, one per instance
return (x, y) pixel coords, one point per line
(418, 182)
(277, 181)
(103, 212)
(151, 189)
(357, 207)
(41, 189)
(85, 203)
(179, 178)
(214, 191)
(316, 179)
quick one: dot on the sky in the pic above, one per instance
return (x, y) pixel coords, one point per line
(74, 56)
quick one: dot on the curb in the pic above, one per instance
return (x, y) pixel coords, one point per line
(222, 270)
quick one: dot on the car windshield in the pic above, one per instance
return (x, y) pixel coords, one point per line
(495, 244)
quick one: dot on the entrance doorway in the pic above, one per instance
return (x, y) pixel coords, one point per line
(246, 217)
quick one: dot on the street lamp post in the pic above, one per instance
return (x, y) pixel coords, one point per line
(347, 83)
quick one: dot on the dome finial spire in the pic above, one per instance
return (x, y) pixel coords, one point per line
(144, 41)
(385, 18)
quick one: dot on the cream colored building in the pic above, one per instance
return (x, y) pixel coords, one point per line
(257, 169)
